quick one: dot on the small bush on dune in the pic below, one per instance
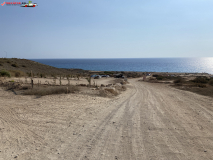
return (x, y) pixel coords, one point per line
(178, 80)
(200, 80)
(51, 90)
(14, 65)
(5, 74)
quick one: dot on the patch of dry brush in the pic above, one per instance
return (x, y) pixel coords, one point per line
(42, 91)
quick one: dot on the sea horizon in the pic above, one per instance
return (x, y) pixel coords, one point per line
(179, 65)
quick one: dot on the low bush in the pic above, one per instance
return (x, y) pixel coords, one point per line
(17, 74)
(23, 66)
(211, 82)
(51, 90)
(14, 65)
(1, 64)
(178, 80)
(42, 75)
(201, 85)
(200, 80)
(112, 91)
(155, 75)
(5, 74)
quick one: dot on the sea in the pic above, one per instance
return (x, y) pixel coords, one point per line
(182, 65)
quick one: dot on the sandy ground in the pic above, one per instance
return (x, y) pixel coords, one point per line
(148, 121)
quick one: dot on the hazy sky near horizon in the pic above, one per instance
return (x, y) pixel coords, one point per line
(108, 29)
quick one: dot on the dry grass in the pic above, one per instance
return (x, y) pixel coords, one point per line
(42, 91)
(200, 85)
(206, 91)
(108, 92)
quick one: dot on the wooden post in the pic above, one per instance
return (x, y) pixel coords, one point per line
(60, 80)
(32, 82)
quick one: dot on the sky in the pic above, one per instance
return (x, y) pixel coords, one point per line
(107, 29)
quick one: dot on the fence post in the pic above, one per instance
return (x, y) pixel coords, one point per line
(32, 82)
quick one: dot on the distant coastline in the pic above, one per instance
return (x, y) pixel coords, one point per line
(177, 65)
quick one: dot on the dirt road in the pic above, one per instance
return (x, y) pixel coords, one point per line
(148, 121)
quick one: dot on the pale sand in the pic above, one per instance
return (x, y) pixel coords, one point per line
(148, 121)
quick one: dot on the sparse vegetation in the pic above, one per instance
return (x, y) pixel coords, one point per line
(178, 80)
(200, 80)
(211, 82)
(27, 66)
(5, 73)
(200, 85)
(107, 92)
(14, 65)
(89, 80)
(112, 91)
(51, 90)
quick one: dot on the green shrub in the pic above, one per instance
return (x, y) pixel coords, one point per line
(5, 74)
(14, 65)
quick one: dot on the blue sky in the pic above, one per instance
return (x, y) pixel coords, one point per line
(108, 29)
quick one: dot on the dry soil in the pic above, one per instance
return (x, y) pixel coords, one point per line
(148, 121)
